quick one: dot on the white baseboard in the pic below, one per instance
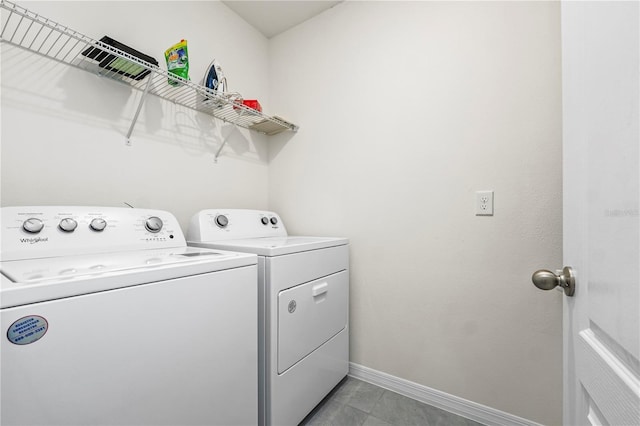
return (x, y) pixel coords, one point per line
(462, 407)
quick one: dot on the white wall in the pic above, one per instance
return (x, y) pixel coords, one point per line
(63, 130)
(406, 109)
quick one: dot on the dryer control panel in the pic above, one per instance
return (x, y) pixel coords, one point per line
(46, 231)
(232, 224)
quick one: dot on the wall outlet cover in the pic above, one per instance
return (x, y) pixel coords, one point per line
(484, 203)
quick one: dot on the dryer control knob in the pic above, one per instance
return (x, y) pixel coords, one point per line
(68, 225)
(98, 224)
(274, 221)
(222, 221)
(265, 220)
(33, 225)
(153, 224)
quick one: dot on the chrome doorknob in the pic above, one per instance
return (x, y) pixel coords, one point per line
(546, 280)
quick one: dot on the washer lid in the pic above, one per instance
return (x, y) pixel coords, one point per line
(35, 280)
(273, 246)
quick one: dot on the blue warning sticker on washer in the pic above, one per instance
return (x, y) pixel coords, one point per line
(27, 330)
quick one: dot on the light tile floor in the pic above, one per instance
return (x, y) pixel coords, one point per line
(357, 403)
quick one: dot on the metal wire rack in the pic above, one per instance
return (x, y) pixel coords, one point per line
(30, 31)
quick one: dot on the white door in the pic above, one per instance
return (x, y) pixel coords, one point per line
(600, 74)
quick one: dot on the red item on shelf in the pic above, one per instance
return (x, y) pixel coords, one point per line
(252, 103)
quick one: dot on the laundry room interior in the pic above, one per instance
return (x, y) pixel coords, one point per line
(403, 111)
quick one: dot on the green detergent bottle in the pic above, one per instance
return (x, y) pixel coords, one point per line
(177, 62)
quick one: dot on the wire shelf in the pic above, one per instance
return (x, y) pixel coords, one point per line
(30, 31)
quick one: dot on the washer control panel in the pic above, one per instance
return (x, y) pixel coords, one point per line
(44, 231)
(231, 224)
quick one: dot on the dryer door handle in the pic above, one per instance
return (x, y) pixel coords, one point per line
(319, 289)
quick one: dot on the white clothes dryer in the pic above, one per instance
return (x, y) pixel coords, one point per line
(108, 318)
(303, 295)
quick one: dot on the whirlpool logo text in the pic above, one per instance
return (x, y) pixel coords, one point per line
(34, 240)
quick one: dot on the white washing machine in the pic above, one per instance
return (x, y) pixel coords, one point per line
(304, 307)
(108, 318)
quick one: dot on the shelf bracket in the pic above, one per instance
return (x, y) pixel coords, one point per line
(135, 117)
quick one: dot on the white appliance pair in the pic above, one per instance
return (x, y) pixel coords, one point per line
(109, 318)
(303, 311)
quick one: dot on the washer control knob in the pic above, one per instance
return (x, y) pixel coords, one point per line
(98, 224)
(153, 224)
(274, 220)
(33, 225)
(222, 221)
(68, 225)
(265, 220)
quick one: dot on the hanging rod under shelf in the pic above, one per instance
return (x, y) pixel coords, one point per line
(35, 33)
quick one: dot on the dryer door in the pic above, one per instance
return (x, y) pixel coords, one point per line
(309, 315)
